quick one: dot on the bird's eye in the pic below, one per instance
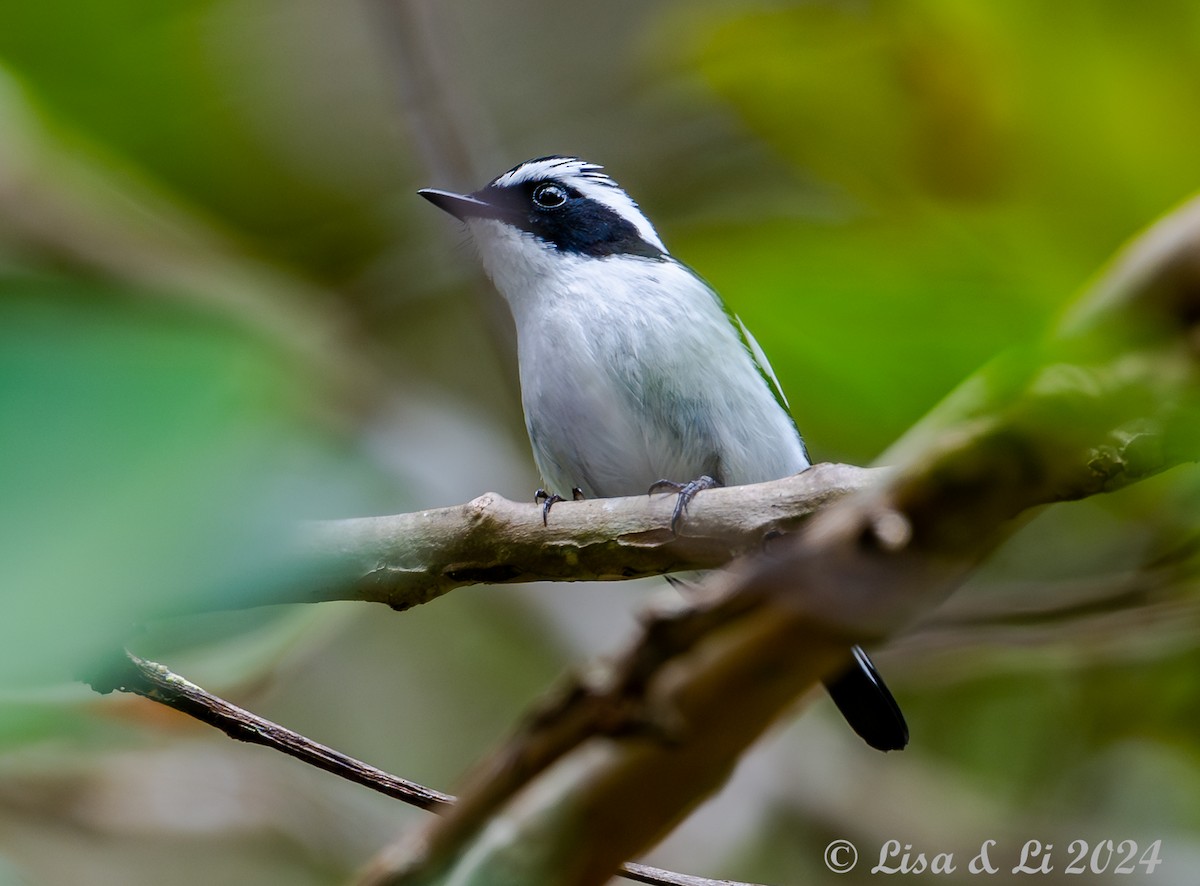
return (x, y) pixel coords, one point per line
(549, 196)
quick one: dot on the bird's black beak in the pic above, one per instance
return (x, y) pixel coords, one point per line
(461, 206)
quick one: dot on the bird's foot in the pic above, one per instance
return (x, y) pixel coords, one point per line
(548, 500)
(686, 492)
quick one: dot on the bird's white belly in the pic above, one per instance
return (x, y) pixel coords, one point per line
(615, 403)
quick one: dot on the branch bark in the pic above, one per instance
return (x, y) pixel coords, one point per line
(158, 683)
(407, 559)
(601, 772)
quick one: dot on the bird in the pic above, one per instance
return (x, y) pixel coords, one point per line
(634, 375)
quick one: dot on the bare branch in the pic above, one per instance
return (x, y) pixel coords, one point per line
(640, 873)
(407, 559)
(455, 142)
(1159, 597)
(158, 683)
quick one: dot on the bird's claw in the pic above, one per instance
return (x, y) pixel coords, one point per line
(686, 492)
(548, 500)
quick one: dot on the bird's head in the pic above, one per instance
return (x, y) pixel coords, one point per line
(550, 209)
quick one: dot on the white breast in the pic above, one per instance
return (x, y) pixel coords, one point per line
(632, 372)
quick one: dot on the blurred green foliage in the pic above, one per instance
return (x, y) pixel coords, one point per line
(131, 435)
(178, 87)
(222, 308)
(984, 160)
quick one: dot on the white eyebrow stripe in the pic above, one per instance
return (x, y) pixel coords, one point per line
(589, 180)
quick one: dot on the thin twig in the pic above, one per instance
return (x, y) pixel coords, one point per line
(454, 140)
(641, 873)
(159, 684)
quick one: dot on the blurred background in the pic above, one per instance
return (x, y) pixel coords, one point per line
(223, 307)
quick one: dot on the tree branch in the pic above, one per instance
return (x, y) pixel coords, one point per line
(159, 684)
(407, 559)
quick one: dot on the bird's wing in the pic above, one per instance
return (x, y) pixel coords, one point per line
(764, 365)
(756, 353)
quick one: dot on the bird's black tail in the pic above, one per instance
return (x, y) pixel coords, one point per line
(864, 700)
